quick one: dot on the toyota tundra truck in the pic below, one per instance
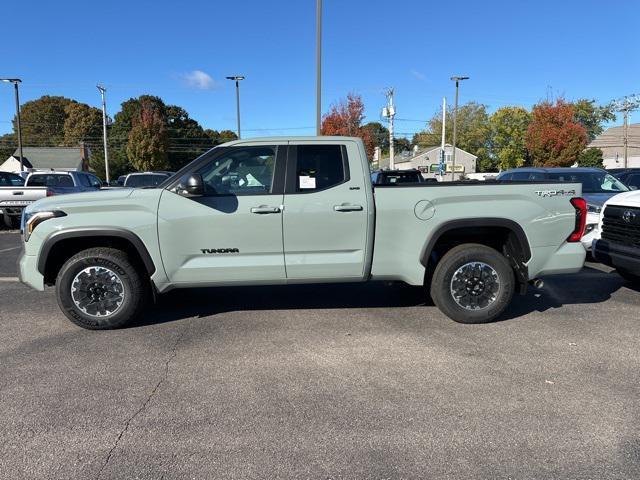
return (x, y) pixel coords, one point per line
(299, 210)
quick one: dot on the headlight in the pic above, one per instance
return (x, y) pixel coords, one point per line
(593, 208)
(32, 219)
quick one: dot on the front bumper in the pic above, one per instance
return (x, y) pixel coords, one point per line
(28, 271)
(617, 256)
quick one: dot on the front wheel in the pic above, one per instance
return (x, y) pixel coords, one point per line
(472, 284)
(101, 288)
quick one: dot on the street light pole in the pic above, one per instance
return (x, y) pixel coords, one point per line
(103, 92)
(455, 127)
(237, 79)
(15, 82)
(318, 67)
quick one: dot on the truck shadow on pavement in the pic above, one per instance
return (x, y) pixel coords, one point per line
(589, 286)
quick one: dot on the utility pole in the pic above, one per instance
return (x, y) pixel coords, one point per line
(442, 167)
(455, 127)
(389, 112)
(626, 104)
(15, 82)
(237, 79)
(103, 92)
(318, 67)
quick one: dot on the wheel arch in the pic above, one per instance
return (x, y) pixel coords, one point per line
(60, 246)
(506, 235)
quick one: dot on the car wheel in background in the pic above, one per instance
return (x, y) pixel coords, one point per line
(100, 288)
(473, 283)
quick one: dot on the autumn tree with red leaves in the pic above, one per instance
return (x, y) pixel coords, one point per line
(554, 137)
(345, 118)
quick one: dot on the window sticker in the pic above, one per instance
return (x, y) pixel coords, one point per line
(307, 182)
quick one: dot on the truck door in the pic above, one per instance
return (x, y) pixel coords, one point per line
(325, 222)
(233, 233)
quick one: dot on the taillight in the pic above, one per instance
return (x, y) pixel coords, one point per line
(50, 193)
(580, 204)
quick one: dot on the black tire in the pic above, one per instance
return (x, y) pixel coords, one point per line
(130, 285)
(629, 277)
(498, 293)
(11, 222)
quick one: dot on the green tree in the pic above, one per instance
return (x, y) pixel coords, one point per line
(473, 132)
(82, 123)
(401, 144)
(379, 133)
(219, 137)
(187, 139)
(592, 117)
(43, 120)
(508, 136)
(8, 145)
(148, 139)
(590, 157)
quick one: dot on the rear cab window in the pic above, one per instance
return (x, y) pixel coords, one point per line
(318, 167)
(50, 180)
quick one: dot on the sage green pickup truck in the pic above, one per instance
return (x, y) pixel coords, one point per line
(298, 210)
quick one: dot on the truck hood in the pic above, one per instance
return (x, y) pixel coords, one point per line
(626, 199)
(59, 202)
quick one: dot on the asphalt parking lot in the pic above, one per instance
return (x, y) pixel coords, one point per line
(331, 382)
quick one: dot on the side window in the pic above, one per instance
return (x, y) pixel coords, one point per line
(633, 181)
(240, 171)
(84, 180)
(319, 167)
(95, 181)
(520, 176)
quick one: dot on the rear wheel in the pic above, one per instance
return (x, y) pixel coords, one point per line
(100, 288)
(472, 284)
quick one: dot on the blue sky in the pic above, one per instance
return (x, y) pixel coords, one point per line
(515, 52)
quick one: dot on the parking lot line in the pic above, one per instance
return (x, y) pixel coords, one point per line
(9, 249)
(9, 279)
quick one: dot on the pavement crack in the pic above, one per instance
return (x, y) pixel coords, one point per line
(165, 374)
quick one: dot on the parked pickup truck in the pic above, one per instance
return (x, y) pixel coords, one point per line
(618, 244)
(14, 196)
(299, 210)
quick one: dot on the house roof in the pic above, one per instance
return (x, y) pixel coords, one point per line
(614, 136)
(51, 157)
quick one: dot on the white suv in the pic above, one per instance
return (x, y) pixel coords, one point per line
(618, 242)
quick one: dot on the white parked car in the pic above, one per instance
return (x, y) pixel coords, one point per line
(617, 242)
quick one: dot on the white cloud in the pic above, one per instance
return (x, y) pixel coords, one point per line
(199, 80)
(419, 75)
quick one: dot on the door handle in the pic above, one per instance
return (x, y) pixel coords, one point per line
(262, 209)
(347, 208)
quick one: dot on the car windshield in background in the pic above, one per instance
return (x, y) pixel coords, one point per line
(50, 180)
(592, 182)
(150, 180)
(393, 178)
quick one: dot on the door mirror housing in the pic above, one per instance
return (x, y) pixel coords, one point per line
(192, 186)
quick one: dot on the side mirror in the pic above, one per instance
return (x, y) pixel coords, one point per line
(193, 185)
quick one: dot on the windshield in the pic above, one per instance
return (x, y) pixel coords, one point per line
(150, 180)
(592, 182)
